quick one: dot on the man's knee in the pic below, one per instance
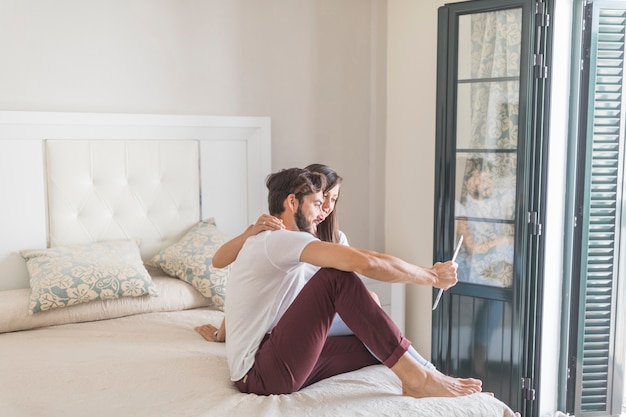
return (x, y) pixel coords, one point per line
(334, 274)
(339, 280)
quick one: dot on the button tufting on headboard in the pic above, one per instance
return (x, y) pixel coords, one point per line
(147, 190)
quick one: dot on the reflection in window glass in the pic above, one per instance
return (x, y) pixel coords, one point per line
(486, 256)
(484, 214)
(486, 143)
(489, 178)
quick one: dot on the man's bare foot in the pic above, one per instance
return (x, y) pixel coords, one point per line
(207, 331)
(420, 382)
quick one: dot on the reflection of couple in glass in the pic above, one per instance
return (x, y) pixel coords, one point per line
(486, 256)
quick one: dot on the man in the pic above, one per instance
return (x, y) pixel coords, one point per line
(277, 325)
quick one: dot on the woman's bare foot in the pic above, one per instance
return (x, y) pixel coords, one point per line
(419, 382)
(208, 331)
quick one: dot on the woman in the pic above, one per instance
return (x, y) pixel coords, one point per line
(327, 230)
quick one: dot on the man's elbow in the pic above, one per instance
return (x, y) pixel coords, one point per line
(365, 265)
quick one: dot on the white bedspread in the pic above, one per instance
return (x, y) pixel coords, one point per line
(155, 365)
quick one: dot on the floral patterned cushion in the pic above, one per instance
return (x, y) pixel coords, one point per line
(68, 275)
(190, 260)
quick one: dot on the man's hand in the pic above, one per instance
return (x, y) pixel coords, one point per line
(446, 274)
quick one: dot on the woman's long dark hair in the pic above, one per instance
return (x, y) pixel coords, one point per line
(328, 230)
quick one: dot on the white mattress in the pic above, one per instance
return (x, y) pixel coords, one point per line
(154, 364)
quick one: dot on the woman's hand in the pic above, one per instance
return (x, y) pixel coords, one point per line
(227, 253)
(266, 222)
(211, 333)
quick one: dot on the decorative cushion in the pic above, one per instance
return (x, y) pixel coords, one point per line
(68, 275)
(190, 260)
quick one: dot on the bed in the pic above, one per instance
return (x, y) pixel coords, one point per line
(108, 222)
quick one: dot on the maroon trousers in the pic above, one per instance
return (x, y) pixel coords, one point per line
(298, 352)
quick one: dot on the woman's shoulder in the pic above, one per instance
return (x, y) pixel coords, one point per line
(343, 239)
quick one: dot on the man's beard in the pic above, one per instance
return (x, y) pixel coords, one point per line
(302, 224)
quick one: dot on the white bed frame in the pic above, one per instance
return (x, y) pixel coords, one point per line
(234, 157)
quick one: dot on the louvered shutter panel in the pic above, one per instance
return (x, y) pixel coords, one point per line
(601, 217)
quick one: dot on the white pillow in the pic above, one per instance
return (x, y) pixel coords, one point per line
(174, 295)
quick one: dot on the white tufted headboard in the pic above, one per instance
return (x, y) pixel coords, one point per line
(110, 189)
(68, 178)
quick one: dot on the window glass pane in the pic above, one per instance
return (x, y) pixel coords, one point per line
(489, 178)
(487, 115)
(486, 256)
(486, 144)
(484, 215)
(490, 44)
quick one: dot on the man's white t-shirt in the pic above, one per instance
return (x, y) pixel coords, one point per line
(308, 271)
(312, 269)
(264, 280)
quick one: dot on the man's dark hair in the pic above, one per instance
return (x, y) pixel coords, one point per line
(297, 181)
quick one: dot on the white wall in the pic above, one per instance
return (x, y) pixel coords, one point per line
(411, 69)
(316, 67)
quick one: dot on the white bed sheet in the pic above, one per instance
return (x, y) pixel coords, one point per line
(155, 365)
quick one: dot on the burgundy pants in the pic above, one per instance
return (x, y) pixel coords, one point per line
(298, 352)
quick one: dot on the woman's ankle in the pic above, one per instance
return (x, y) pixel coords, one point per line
(410, 372)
